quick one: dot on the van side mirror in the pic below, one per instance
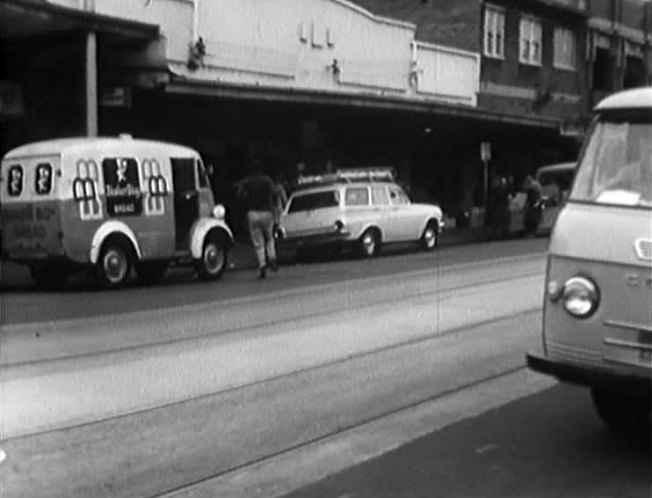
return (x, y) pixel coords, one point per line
(210, 169)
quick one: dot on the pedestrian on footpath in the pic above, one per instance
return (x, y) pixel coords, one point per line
(260, 197)
(533, 206)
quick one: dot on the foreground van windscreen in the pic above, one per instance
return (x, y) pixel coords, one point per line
(617, 164)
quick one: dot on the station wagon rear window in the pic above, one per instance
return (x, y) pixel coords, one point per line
(314, 200)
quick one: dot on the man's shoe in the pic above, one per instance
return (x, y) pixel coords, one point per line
(273, 265)
(263, 273)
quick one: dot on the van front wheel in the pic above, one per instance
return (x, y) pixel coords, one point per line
(114, 265)
(212, 262)
(623, 411)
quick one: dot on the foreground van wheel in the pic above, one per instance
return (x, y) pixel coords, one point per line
(151, 272)
(114, 265)
(623, 411)
(369, 243)
(429, 236)
(49, 277)
(212, 262)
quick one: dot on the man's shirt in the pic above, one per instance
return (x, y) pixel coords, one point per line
(259, 193)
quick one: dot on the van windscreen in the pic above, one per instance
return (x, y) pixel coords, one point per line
(314, 200)
(616, 167)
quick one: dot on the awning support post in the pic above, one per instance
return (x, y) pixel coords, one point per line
(91, 84)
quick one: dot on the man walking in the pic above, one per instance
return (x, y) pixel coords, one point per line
(260, 197)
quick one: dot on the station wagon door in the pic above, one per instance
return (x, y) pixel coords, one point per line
(390, 224)
(406, 219)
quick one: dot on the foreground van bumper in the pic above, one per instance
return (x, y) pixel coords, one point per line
(587, 375)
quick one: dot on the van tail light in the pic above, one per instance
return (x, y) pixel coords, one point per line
(339, 226)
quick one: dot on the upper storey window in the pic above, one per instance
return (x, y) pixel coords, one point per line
(494, 32)
(530, 41)
(565, 49)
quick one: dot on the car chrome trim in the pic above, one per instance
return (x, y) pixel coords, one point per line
(627, 325)
(628, 344)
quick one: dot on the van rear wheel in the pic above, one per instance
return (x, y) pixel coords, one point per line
(623, 411)
(114, 265)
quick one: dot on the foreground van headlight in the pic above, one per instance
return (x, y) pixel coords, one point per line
(580, 297)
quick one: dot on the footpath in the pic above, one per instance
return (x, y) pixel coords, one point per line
(242, 255)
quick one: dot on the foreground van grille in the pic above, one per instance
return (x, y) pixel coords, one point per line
(567, 352)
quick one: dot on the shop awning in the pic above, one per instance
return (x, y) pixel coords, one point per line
(179, 85)
(29, 18)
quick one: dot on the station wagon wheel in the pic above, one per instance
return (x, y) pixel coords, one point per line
(624, 411)
(369, 243)
(429, 236)
(212, 262)
(114, 265)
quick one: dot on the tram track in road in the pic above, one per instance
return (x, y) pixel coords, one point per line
(343, 431)
(222, 434)
(350, 357)
(35, 351)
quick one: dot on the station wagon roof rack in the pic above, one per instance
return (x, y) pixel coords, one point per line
(349, 175)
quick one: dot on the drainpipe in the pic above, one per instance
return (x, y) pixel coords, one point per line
(647, 38)
(91, 77)
(195, 20)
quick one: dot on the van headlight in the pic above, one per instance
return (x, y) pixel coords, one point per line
(219, 212)
(580, 297)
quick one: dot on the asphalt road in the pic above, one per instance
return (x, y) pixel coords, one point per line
(247, 388)
(547, 445)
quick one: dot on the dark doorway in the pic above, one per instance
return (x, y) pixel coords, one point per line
(634, 72)
(186, 198)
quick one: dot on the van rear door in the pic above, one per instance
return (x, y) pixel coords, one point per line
(31, 217)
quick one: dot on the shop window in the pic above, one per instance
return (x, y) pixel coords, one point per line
(530, 41)
(565, 49)
(494, 32)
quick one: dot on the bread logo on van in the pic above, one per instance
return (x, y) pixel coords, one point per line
(122, 187)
